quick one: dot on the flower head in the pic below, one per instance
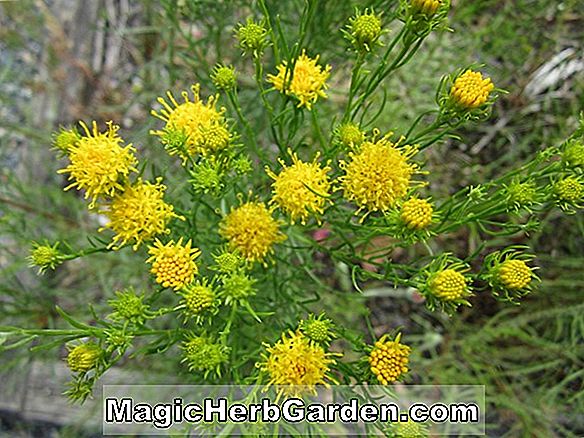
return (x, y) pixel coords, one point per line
(573, 154)
(520, 194)
(252, 37)
(300, 189)
(224, 77)
(319, 329)
(197, 120)
(99, 163)
(569, 189)
(364, 30)
(377, 175)
(198, 297)
(65, 139)
(470, 90)
(138, 213)
(410, 429)
(251, 230)
(305, 81)
(206, 176)
(84, 357)
(508, 273)
(515, 274)
(417, 213)
(237, 288)
(296, 363)
(426, 7)
(350, 135)
(388, 360)
(129, 307)
(449, 285)
(173, 264)
(45, 256)
(203, 355)
(227, 262)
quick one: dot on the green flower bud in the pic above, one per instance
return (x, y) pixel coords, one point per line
(45, 256)
(224, 78)
(252, 37)
(203, 355)
(129, 307)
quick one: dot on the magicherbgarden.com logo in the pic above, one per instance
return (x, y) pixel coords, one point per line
(240, 410)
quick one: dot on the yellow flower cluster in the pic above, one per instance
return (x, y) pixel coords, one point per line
(297, 363)
(377, 175)
(449, 285)
(193, 118)
(251, 230)
(306, 81)
(138, 213)
(389, 359)
(98, 162)
(83, 357)
(173, 264)
(417, 213)
(515, 274)
(470, 90)
(301, 189)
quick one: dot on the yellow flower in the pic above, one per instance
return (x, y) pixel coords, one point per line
(377, 175)
(470, 90)
(301, 189)
(307, 82)
(99, 163)
(251, 230)
(427, 7)
(139, 213)
(449, 285)
(515, 274)
(84, 357)
(417, 213)
(174, 263)
(193, 118)
(389, 360)
(296, 363)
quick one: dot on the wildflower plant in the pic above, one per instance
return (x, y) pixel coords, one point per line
(234, 225)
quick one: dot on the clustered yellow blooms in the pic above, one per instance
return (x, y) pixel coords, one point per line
(84, 357)
(449, 285)
(251, 230)
(389, 360)
(417, 213)
(173, 264)
(297, 363)
(515, 274)
(196, 119)
(306, 81)
(99, 163)
(139, 213)
(300, 189)
(377, 175)
(470, 90)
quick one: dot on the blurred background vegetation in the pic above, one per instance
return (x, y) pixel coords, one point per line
(66, 60)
